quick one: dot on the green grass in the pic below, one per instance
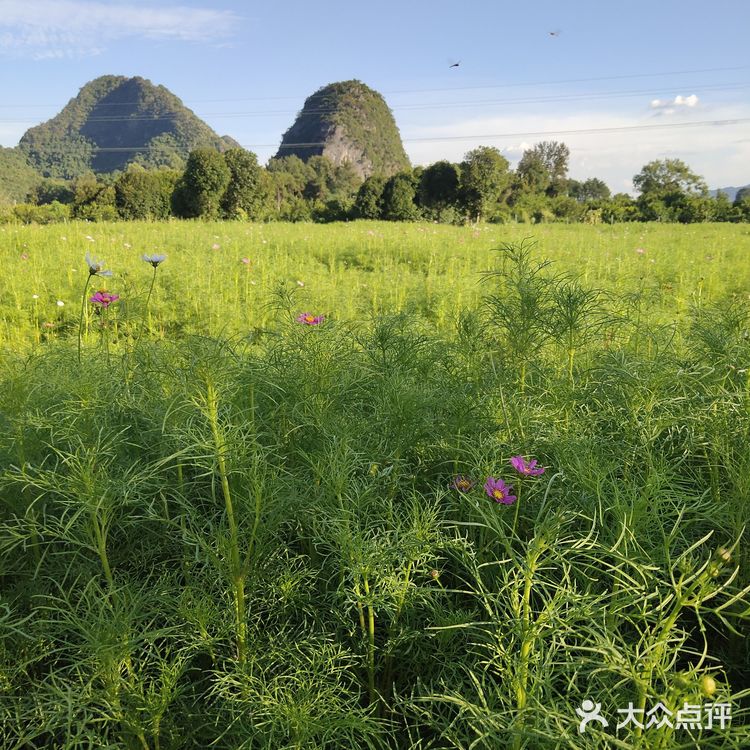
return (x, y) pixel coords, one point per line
(348, 271)
(222, 528)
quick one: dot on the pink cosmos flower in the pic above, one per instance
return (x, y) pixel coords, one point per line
(640, 250)
(499, 491)
(310, 320)
(246, 261)
(527, 468)
(104, 299)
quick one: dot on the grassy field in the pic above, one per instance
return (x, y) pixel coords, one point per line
(349, 271)
(221, 526)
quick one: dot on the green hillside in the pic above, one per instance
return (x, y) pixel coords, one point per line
(347, 121)
(17, 177)
(115, 121)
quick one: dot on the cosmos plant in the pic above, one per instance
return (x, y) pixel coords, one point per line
(309, 319)
(499, 491)
(96, 268)
(527, 468)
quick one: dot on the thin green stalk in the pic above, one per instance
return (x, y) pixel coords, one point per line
(360, 608)
(236, 568)
(571, 355)
(101, 546)
(83, 312)
(388, 671)
(371, 643)
(147, 321)
(527, 637)
(105, 332)
(518, 504)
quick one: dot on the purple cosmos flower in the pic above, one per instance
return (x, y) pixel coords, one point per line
(462, 483)
(105, 299)
(499, 491)
(154, 260)
(310, 320)
(96, 267)
(527, 468)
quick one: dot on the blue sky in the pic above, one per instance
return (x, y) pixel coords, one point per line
(634, 77)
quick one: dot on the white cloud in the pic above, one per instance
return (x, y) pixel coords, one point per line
(53, 29)
(669, 106)
(516, 149)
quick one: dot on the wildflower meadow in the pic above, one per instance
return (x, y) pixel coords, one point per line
(372, 485)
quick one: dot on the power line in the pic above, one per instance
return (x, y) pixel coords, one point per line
(414, 107)
(516, 84)
(446, 138)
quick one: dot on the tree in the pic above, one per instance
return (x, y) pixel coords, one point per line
(620, 207)
(51, 191)
(93, 200)
(398, 198)
(592, 189)
(666, 177)
(145, 194)
(438, 188)
(742, 205)
(202, 185)
(544, 168)
(565, 208)
(369, 201)
(665, 186)
(246, 194)
(289, 178)
(484, 179)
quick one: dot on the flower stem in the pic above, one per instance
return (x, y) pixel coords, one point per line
(146, 322)
(237, 575)
(527, 636)
(518, 503)
(83, 312)
(101, 544)
(371, 643)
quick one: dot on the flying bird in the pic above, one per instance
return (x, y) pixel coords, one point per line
(554, 33)
(455, 64)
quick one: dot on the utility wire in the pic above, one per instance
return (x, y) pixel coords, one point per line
(446, 138)
(516, 84)
(409, 107)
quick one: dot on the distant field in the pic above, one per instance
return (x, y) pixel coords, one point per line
(441, 510)
(349, 271)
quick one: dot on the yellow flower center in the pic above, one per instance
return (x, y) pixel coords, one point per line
(498, 494)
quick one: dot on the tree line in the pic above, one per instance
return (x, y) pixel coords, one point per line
(482, 187)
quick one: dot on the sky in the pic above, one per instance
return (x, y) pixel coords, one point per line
(620, 83)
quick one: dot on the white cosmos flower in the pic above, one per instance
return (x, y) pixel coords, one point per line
(154, 260)
(96, 267)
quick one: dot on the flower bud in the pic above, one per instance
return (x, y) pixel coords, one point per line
(708, 686)
(723, 556)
